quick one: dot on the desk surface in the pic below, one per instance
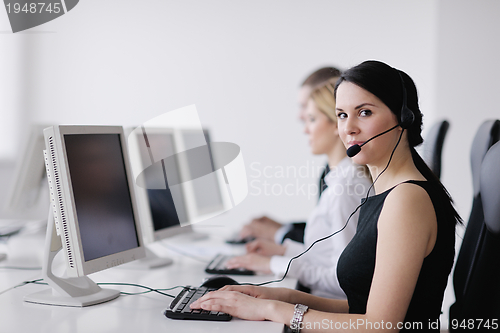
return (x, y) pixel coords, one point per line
(137, 313)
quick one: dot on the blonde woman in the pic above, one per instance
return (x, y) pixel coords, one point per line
(264, 227)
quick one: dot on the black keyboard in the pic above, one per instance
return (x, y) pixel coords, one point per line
(238, 240)
(180, 309)
(218, 266)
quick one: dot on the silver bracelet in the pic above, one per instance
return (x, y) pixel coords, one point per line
(298, 316)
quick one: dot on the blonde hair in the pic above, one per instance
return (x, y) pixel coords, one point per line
(323, 97)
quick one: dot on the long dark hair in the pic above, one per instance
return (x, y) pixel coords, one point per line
(386, 83)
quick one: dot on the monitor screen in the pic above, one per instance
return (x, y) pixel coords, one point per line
(28, 197)
(101, 194)
(207, 192)
(166, 204)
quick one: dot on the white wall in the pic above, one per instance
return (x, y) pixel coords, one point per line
(124, 62)
(14, 78)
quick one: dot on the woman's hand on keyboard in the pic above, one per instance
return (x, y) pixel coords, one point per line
(277, 294)
(236, 304)
(265, 247)
(262, 227)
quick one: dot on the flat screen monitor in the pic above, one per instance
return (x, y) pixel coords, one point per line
(27, 198)
(94, 209)
(171, 194)
(162, 207)
(205, 194)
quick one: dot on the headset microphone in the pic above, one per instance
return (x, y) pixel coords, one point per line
(355, 149)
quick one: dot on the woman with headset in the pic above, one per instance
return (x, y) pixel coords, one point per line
(395, 269)
(347, 184)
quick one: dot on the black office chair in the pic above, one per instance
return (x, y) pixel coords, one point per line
(476, 279)
(432, 147)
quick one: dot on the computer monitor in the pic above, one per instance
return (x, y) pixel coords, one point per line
(28, 197)
(161, 207)
(95, 216)
(205, 188)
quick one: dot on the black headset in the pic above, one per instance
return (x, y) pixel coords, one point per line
(407, 116)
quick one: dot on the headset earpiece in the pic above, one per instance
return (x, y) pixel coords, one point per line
(407, 116)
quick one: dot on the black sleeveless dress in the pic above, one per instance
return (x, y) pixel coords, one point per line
(356, 265)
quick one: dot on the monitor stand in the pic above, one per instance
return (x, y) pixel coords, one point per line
(151, 261)
(188, 237)
(75, 292)
(197, 236)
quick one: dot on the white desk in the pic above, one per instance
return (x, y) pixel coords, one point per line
(138, 313)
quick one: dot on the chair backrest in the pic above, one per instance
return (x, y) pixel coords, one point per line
(433, 146)
(476, 279)
(490, 190)
(486, 136)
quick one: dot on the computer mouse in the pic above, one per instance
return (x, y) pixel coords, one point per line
(219, 282)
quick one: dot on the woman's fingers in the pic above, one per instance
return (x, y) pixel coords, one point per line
(253, 246)
(215, 299)
(233, 303)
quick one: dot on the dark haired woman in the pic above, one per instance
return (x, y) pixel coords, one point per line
(395, 270)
